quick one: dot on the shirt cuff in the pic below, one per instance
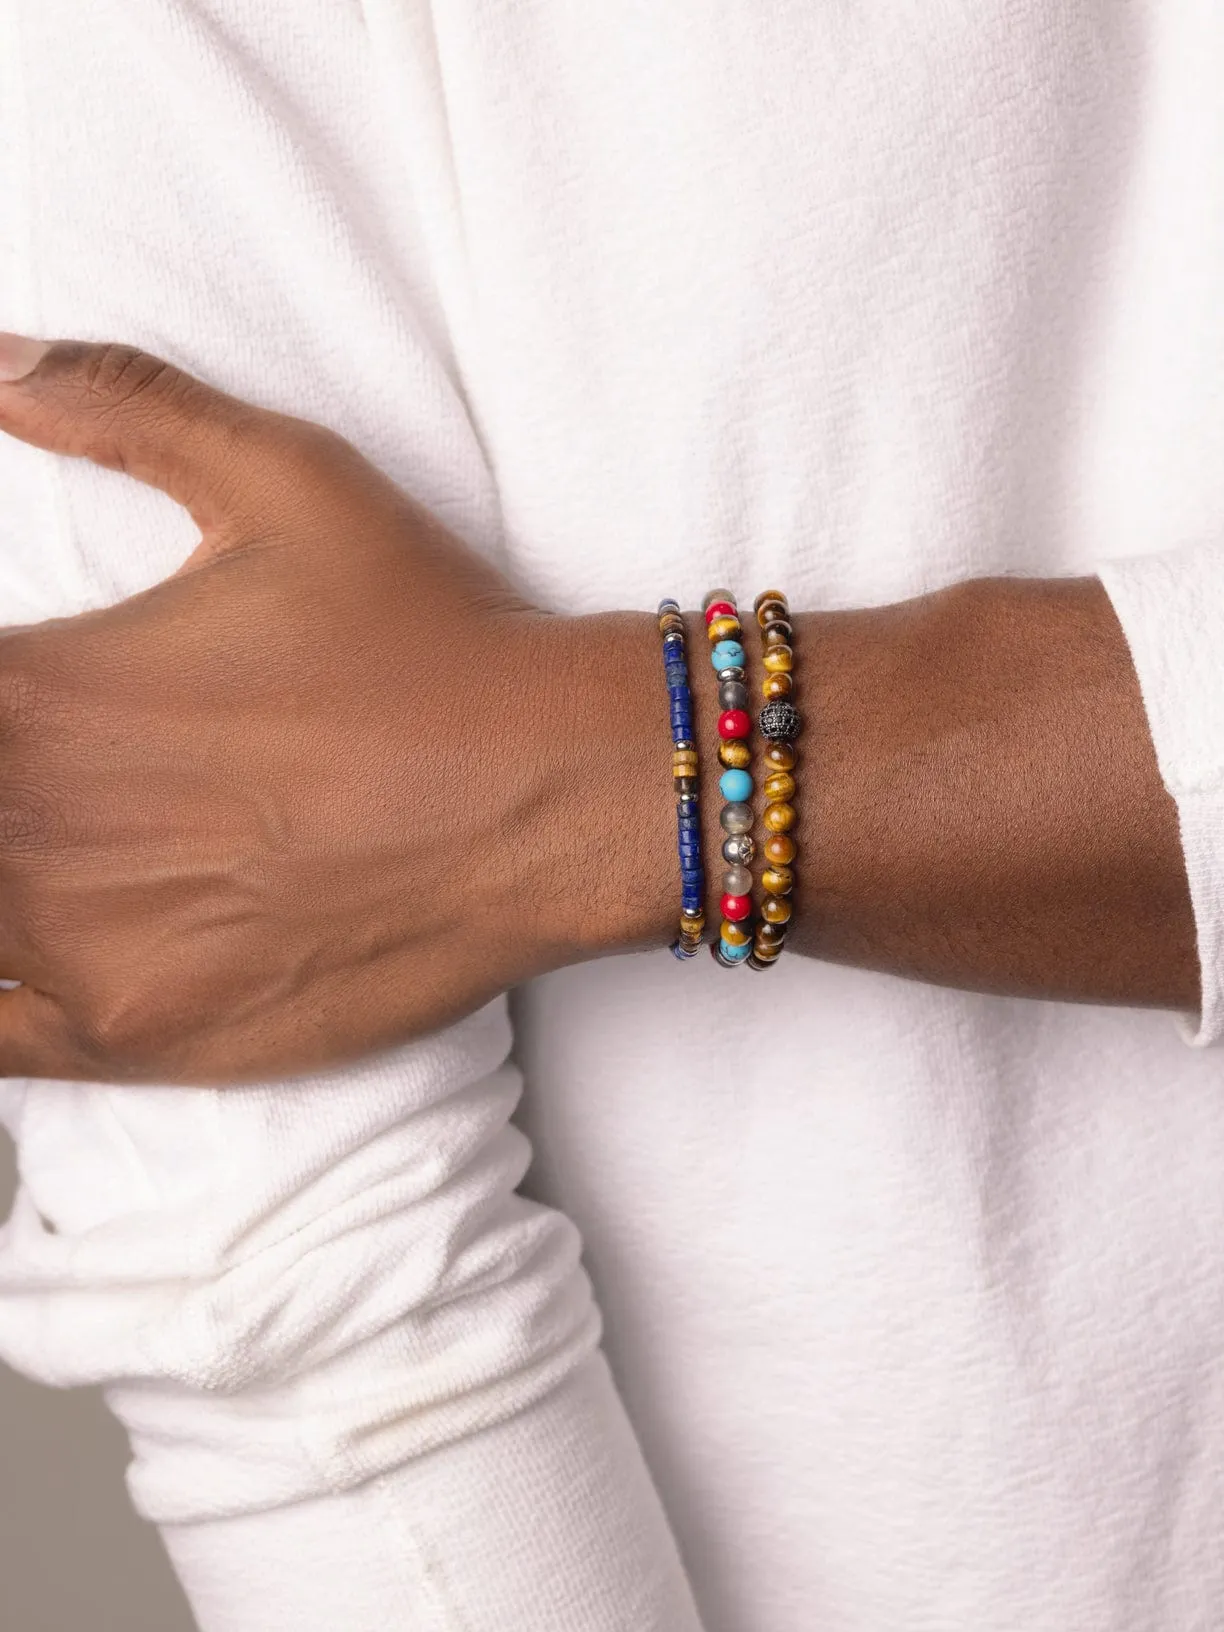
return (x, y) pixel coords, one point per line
(1171, 608)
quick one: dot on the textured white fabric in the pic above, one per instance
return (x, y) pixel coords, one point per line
(915, 1297)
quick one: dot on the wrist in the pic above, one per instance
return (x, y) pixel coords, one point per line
(608, 836)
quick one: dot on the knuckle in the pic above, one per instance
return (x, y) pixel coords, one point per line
(120, 374)
(116, 1037)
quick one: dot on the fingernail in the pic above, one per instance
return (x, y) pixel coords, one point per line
(19, 356)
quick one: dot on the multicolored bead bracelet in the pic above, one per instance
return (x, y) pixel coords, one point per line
(734, 943)
(780, 724)
(685, 783)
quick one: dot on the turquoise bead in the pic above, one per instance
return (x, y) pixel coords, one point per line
(728, 654)
(735, 786)
(735, 954)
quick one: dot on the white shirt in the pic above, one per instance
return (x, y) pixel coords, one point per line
(914, 1298)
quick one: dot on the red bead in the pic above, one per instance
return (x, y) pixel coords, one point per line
(734, 723)
(736, 907)
(720, 609)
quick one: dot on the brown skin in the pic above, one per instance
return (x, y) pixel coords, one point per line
(334, 784)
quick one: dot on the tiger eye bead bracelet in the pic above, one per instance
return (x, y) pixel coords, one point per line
(734, 943)
(684, 782)
(780, 724)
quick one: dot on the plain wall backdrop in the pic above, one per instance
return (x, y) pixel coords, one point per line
(73, 1555)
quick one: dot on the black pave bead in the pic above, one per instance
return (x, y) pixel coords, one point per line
(780, 721)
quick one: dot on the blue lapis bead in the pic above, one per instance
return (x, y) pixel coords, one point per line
(728, 654)
(735, 954)
(735, 787)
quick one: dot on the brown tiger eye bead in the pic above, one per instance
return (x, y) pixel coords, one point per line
(778, 880)
(779, 848)
(776, 909)
(735, 754)
(777, 634)
(779, 659)
(768, 595)
(735, 934)
(772, 612)
(780, 756)
(671, 623)
(776, 685)
(684, 761)
(779, 818)
(765, 953)
(779, 785)
(770, 934)
(724, 628)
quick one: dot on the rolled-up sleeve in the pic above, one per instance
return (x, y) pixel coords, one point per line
(340, 1341)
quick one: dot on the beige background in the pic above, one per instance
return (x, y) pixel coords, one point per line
(73, 1555)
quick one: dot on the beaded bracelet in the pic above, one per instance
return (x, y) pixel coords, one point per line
(734, 943)
(685, 783)
(780, 724)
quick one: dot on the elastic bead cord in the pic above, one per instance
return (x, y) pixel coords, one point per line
(685, 783)
(734, 943)
(780, 724)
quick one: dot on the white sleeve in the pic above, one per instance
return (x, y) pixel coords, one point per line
(1171, 608)
(359, 1372)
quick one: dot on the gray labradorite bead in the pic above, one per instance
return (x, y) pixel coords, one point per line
(738, 849)
(736, 818)
(737, 881)
(733, 694)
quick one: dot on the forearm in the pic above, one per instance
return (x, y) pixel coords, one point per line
(979, 801)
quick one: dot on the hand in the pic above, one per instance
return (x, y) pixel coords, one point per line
(325, 789)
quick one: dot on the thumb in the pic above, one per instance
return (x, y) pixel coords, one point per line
(132, 412)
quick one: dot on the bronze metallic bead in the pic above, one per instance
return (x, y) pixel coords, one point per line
(776, 909)
(768, 595)
(723, 628)
(780, 756)
(779, 818)
(735, 934)
(779, 785)
(779, 849)
(778, 634)
(776, 685)
(684, 762)
(735, 754)
(779, 659)
(778, 880)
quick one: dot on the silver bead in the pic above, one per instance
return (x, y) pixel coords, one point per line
(737, 881)
(736, 673)
(685, 746)
(736, 818)
(733, 694)
(738, 849)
